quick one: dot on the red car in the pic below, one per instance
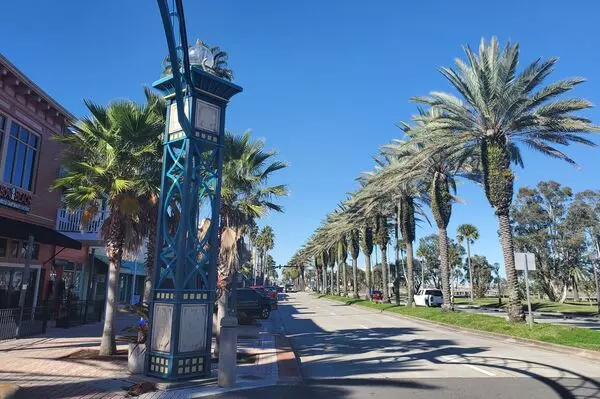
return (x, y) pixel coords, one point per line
(377, 295)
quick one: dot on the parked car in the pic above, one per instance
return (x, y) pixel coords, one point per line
(279, 289)
(289, 288)
(268, 292)
(429, 297)
(251, 303)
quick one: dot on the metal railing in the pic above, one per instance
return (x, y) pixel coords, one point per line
(35, 319)
(73, 313)
(34, 322)
(70, 221)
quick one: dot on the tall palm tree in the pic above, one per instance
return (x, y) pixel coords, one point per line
(469, 233)
(354, 244)
(382, 237)
(342, 250)
(246, 196)
(366, 244)
(105, 159)
(331, 257)
(324, 260)
(437, 174)
(497, 109)
(149, 201)
(265, 242)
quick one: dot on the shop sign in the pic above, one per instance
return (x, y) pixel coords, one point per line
(15, 198)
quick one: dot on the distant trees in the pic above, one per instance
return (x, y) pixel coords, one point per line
(560, 228)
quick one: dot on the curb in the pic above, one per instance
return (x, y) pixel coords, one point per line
(288, 364)
(556, 315)
(563, 349)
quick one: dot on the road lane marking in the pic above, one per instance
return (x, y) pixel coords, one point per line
(363, 326)
(333, 314)
(489, 373)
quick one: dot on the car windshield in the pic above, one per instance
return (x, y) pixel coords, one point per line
(433, 292)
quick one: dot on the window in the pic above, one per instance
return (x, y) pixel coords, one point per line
(14, 249)
(3, 249)
(20, 157)
(2, 128)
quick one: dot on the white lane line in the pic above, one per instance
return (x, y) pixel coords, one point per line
(489, 373)
(363, 326)
(333, 314)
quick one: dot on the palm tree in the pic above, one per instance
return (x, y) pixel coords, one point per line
(382, 237)
(105, 159)
(469, 233)
(331, 257)
(366, 244)
(246, 196)
(149, 202)
(324, 259)
(437, 174)
(354, 244)
(265, 241)
(498, 108)
(342, 257)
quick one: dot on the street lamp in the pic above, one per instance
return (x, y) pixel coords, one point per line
(184, 280)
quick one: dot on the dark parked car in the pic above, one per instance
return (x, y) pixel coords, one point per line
(253, 304)
(268, 292)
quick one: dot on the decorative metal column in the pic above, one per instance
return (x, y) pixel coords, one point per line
(184, 278)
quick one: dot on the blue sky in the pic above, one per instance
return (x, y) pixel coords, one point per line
(324, 82)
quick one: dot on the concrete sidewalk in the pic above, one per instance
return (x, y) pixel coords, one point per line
(58, 365)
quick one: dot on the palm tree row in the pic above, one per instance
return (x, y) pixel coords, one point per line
(476, 135)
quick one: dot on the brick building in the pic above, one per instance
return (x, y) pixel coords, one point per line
(28, 165)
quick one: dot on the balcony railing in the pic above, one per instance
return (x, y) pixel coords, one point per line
(70, 221)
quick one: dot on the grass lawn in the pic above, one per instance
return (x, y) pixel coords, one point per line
(539, 305)
(571, 336)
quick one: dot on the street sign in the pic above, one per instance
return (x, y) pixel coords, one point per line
(524, 258)
(526, 261)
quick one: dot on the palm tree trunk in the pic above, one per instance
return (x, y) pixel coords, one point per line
(355, 278)
(368, 274)
(409, 274)
(150, 254)
(324, 281)
(445, 268)
(384, 274)
(470, 268)
(332, 280)
(345, 279)
(506, 239)
(575, 290)
(114, 250)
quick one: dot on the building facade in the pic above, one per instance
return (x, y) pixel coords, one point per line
(29, 163)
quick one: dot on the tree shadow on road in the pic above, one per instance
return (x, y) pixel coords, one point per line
(365, 352)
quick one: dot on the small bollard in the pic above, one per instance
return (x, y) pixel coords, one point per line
(227, 352)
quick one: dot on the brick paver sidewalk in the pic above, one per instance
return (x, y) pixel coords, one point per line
(39, 367)
(42, 370)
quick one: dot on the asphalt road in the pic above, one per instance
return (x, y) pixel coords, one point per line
(349, 352)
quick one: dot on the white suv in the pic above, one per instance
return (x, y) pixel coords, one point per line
(429, 297)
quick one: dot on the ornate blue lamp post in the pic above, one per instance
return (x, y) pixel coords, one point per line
(187, 240)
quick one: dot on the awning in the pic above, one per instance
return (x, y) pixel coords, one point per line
(127, 266)
(21, 230)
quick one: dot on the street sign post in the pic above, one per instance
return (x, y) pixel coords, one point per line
(526, 261)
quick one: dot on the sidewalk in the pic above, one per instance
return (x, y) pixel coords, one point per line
(59, 365)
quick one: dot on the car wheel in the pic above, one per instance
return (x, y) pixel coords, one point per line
(265, 313)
